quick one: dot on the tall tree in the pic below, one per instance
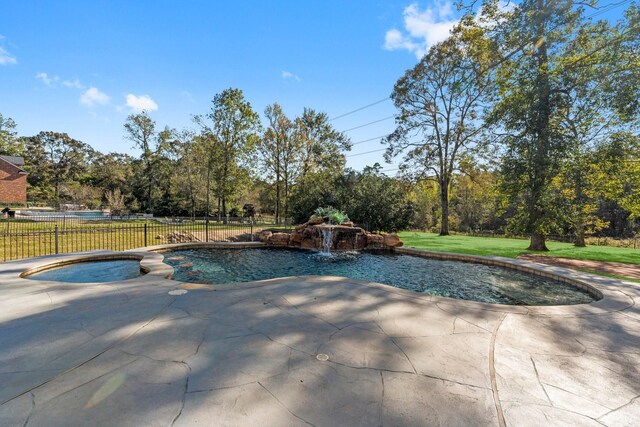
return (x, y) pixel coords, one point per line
(323, 147)
(231, 131)
(591, 111)
(57, 159)
(548, 103)
(141, 131)
(530, 37)
(281, 154)
(439, 102)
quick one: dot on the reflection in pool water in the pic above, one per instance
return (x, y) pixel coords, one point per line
(92, 272)
(454, 279)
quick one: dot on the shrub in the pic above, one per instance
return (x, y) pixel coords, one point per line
(335, 216)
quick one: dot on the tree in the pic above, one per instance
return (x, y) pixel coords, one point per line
(10, 145)
(592, 112)
(322, 146)
(439, 102)
(55, 159)
(550, 86)
(369, 197)
(140, 129)
(228, 133)
(182, 149)
(377, 201)
(530, 37)
(115, 201)
(281, 155)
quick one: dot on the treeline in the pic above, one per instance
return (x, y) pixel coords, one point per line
(229, 160)
(524, 121)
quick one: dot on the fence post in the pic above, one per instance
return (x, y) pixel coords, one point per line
(251, 225)
(55, 233)
(145, 234)
(206, 228)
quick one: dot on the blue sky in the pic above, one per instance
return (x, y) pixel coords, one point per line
(82, 66)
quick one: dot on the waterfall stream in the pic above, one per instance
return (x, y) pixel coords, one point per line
(327, 239)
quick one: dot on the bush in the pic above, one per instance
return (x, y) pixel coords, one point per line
(335, 216)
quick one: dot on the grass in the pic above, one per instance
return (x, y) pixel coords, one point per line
(25, 239)
(511, 248)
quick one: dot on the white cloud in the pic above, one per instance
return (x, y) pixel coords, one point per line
(92, 97)
(46, 79)
(289, 75)
(73, 84)
(6, 58)
(423, 28)
(139, 103)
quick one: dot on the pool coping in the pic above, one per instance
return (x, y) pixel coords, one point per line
(151, 261)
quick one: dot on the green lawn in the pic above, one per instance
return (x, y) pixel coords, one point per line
(511, 248)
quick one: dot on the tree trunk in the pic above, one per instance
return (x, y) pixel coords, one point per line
(277, 201)
(541, 158)
(580, 241)
(538, 242)
(208, 194)
(224, 209)
(444, 203)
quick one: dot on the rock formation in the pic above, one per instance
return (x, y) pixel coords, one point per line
(318, 234)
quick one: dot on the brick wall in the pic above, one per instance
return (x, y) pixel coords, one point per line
(13, 184)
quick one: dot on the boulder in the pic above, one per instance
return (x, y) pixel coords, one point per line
(392, 240)
(345, 245)
(347, 223)
(309, 244)
(265, 236)
(279, 239)
(375, 241)
(181, 237)
(315, 221)
(295, 238)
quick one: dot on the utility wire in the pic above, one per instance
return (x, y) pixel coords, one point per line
(359, 109)
(598, 12)
(366, 152)
(368, 124)
(367, 140)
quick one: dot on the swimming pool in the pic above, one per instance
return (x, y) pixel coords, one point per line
(453, 279)
(91, 271)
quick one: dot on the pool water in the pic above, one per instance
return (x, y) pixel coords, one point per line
(91, 272)
(453, 279)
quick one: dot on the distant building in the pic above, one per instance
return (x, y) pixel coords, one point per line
(13, 181)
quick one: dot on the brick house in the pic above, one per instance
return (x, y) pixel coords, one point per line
(13, 181)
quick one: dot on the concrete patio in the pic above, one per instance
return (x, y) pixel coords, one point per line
(323, 351)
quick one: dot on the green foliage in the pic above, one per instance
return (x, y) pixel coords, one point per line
(60, 160)
(9, 143)
(372, 199)
(334, 215)
(227, 141)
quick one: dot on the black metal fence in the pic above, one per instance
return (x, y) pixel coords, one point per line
(29, 236)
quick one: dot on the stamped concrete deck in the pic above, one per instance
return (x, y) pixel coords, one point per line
(322, 351)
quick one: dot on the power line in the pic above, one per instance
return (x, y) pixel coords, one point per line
(368, 124)
(359, 109)
(366, 152)
(598, 12)
(367, 140)
(607, 8)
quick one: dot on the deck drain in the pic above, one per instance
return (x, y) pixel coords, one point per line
(178, 292)
(322, 357)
